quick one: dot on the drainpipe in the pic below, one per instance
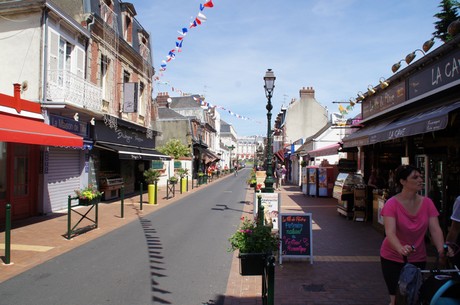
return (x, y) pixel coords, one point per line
(45, 55)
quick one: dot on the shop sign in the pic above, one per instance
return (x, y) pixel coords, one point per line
(390, 97)
(436, 75)
(70, 125)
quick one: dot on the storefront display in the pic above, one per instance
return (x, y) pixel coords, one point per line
(344, 192)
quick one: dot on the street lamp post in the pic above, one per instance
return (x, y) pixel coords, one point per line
(230, 165)
(269, 80)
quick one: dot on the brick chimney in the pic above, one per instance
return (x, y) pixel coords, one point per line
(162, 99)
(307, 92)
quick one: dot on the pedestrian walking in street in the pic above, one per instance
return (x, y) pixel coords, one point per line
(278, 176)
(407, 217)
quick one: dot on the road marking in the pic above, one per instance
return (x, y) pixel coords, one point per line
(27, 248)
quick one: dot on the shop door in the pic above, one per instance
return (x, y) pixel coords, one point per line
(23, 172)
(437, 187)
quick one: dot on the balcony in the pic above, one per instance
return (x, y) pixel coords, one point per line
(69, 88)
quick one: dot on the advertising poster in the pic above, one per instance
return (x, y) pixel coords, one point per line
(271, 203)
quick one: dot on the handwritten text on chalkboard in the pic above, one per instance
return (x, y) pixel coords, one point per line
(296, 235)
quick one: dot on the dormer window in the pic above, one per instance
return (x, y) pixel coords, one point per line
(128, 30)
(107, 13)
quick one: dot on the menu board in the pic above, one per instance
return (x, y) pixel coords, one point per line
(296, 236)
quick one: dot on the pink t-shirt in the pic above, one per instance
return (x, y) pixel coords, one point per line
(410, 229)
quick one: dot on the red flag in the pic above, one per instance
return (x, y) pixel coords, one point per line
(208, 4)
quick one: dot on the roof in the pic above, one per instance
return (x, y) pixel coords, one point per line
(168, 113)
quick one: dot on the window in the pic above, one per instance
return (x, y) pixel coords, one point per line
(65, 59)
(140, 104)
(107, 13)
(105, 79)
(21, 170)
(127, 32)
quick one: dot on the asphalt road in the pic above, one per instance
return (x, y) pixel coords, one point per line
(177, 255)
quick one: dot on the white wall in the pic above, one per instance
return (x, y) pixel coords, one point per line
(20, 54)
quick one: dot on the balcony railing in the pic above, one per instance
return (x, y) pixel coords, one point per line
(66, 87)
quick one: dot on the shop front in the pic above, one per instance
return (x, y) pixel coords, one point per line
(414, 121)
(24, 141)
(122, 152)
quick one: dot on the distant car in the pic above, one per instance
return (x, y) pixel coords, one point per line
(242, 165)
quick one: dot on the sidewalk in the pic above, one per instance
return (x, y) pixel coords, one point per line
(346, 268)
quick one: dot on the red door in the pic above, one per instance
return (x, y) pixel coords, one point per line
(22, 181)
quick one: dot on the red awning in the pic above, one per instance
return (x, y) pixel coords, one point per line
(280, 154)
(28, 131)
(325, 151)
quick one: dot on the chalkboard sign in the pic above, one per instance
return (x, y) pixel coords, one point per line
(296, 236)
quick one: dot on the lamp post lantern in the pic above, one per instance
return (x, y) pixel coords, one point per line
(269, 80)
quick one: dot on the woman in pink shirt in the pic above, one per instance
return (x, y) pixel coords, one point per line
(407, 216)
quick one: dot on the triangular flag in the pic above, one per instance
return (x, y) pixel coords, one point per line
(208, 4)
(201, 17)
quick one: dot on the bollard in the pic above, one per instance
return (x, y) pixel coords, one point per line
(8, 234)
(69, 217)
(122, 195)
(156, 192)
(140, 193)
(271, 280)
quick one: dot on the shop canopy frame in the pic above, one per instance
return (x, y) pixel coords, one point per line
(133, 152)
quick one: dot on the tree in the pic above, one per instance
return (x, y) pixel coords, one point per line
(175, 149)
(447, 15)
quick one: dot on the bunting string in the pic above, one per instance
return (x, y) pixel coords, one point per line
(196, 21)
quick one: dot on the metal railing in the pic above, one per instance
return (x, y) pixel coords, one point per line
(66, 87)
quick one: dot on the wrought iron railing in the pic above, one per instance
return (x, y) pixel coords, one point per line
(67, 87)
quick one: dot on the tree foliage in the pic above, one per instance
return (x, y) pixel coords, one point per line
(446, 16)
(175, 148)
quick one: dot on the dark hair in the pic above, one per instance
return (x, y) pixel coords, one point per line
(404, 171)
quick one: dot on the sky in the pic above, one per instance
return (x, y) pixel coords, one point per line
(338, 47)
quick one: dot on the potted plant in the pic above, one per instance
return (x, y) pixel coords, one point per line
(183, 173)
(173, 180)
(252, 179)
(200, 177)
(254, 242)
(151, 177)
(88, 195)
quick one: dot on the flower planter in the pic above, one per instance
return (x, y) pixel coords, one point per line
(252, 263)
(89, 201)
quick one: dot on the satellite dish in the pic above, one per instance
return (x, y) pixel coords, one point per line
(24, 86)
